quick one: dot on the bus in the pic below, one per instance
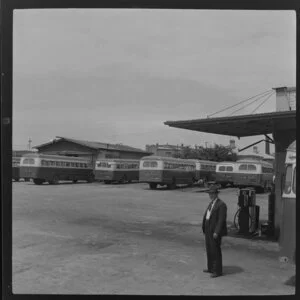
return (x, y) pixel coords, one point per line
(254, 173)
(16, 168)
(206, 170)
(158, 170)
(52, 168)
(226, 173)
(117, 170)
(287, 239)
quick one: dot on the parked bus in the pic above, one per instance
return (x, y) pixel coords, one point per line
(117, 170)
(226, 173)
(206, 170)
(287, 240)
(16, 168)
(52, 168)
(157, 170)
(254, 173)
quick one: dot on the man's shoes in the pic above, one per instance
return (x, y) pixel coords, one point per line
(207, 271)
(214, 275)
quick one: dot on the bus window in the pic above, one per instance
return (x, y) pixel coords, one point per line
(28, 161)
(294, 181)
(251, 167)
(153, 164)
(57, 163)
(44, 163)
(67, 164)
(229, 168)
(222, 168)
(243, 167)
(288, 179)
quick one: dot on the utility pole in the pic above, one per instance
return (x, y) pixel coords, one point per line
(29, 144)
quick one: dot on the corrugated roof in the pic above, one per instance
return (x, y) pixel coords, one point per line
(242, 125)
(98, 145)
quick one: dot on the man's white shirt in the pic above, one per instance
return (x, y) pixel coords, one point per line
(209, 211)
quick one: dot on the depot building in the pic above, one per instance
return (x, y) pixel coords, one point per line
(90, 150)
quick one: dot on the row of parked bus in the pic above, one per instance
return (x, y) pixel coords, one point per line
(154, 170)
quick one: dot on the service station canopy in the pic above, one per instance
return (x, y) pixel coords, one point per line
(241, 126)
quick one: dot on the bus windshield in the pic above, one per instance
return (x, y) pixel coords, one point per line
(151, 164)
(28, 161)
(288, 179)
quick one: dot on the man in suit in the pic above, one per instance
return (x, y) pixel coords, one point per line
(214, 227)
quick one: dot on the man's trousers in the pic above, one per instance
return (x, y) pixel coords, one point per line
(213, 251)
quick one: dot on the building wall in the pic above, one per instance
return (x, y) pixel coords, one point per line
(119, 154)
(132, 155)
(107, 154)
(285, 99)
(283, 138)
(167, 153)
(163, 150)
(92, 154)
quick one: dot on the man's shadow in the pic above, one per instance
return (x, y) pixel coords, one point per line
(291, 281)
(227, 270)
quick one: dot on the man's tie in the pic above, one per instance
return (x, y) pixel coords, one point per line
(210, 205)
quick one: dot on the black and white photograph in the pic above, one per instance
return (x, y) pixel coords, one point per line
(153, 151)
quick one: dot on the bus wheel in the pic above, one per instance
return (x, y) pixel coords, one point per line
(74, 180)
(172, 186)
(259, 189)
(37, 181)
(123, 179)
(90, 179)
(153, 185)
(54, 180)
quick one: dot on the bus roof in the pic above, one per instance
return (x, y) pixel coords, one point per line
(255, 161)
(54, 157)
(117, 160)
(164, 158)
(226, 163)
(207, 162)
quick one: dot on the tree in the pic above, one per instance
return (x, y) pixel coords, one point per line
(216, 153)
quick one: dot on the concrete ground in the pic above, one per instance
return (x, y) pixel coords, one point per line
(126, 239)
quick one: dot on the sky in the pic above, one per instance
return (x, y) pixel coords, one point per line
(116, 76)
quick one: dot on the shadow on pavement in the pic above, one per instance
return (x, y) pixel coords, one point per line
(233, 232)
(165, 188)
(227, 270)
(291, 281)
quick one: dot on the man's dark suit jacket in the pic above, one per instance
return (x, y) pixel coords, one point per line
(217, 220)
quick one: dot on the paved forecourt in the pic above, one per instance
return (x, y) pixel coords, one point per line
(94, 238)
